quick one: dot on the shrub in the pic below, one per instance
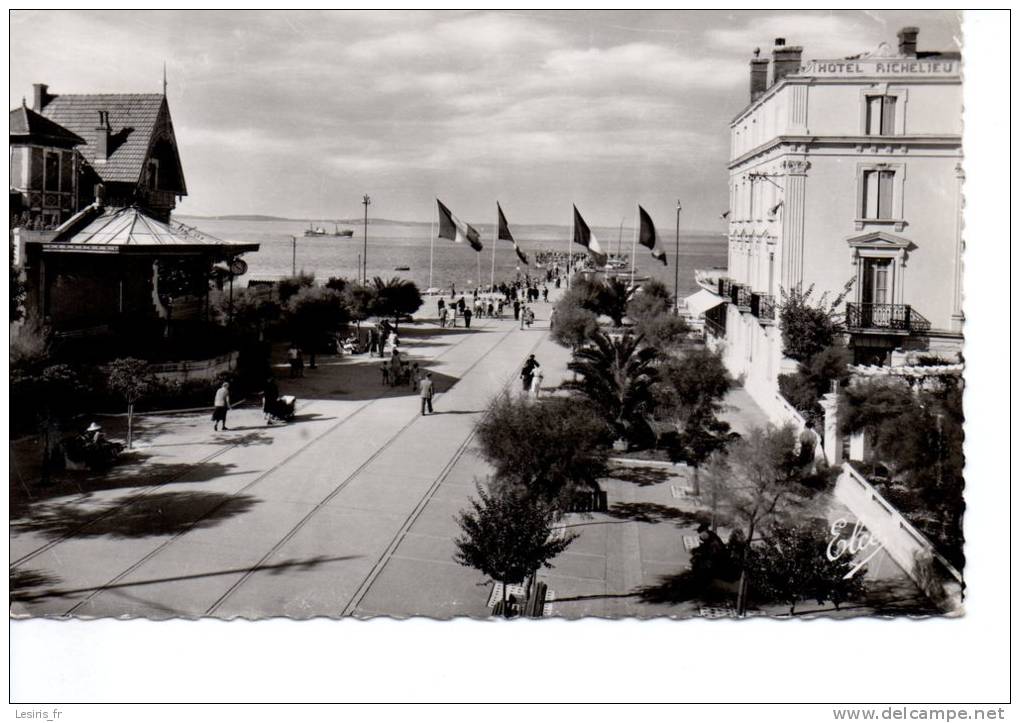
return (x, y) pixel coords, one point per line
(290, 285)
(808, 326)
(573, 325)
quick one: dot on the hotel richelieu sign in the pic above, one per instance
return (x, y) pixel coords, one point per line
(865, 67)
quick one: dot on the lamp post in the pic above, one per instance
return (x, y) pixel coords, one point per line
(676, 263)
(364, 256)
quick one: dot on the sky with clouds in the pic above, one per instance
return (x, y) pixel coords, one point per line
(300, 113)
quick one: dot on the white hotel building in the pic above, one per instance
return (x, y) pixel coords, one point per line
(840, 170)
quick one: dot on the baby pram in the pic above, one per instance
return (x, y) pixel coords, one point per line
(283, 408)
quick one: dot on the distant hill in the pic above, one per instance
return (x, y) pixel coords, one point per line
(261, 217)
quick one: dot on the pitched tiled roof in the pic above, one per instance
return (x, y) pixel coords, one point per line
(26, 122)
(132, 117)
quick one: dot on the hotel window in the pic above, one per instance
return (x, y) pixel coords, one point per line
(877, 200)
(881, 115)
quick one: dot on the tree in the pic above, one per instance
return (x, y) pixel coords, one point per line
(359, 300)
(55, 393)
(550, 449)
(290, 285)
(251, 311)
(507, 536)
(808, 326)
(666, 331)
(17, 290)
(814, 378)
(756, 482)
(612, 299)
(616, 377)
(918, 438)
(130, 379)
(574, 325)
(792, 565)
(691, 384)
(311, 313)
(396, 297)
(702, 436)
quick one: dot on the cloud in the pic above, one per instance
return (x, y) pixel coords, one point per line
(823, 35)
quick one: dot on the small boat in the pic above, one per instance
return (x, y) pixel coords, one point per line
(342, 233)
(315, 231)
(401, 268)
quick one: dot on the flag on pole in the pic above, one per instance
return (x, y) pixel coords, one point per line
(646, 236)
(452, 228)
(584, 237)
(505, 235)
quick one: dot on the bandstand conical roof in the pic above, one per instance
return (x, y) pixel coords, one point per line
(127, 230)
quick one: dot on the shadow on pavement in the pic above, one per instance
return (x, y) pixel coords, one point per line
(274, 569)
(156, 514)
(25, 583)
(641, 476)
(655, 513)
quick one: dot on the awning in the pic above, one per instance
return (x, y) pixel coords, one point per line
(701, 301)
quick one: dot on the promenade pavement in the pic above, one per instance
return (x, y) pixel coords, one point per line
(351, 510)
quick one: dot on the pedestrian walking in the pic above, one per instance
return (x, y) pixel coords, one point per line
(517, 308)
(221, 403)
(426, 390)
(442, 318)
(536, 384)
(385, 373)
(270, 393)
(440, 305)
(545, 294)
(528, 372)
(467, 318)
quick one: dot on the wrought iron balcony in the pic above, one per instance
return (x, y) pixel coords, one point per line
(763, 306)
(894, 318)
(740, 295)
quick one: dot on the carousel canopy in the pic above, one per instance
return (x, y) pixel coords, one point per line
(120, 230)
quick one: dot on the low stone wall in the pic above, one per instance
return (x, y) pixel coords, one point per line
(199, 369)
(907, 546)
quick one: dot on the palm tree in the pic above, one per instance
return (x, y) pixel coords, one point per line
(616, 375)
(613, 298)
(396, 297)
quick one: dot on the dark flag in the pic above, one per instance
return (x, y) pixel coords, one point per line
(646, 236)
(505, 235)
(584, 237)
(452, 228)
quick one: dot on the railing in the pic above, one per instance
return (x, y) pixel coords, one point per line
(763, 306)
(881, 317)
(740, 295)
(724, 286)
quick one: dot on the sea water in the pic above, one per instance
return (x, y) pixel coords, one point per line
(393, 245)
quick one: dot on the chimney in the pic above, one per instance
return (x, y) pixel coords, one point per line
(40, 96)
(785, 59)
(908, 41)
(759, 75)
(102, 142)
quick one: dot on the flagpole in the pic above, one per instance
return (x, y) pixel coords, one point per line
(570, 238)
(633, 250)
(676, 263)
(495, 235)
(478, 268)
(432, 245)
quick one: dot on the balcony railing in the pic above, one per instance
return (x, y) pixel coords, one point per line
(899, 318)
(763, 306)
(740, 295)
(724, 287)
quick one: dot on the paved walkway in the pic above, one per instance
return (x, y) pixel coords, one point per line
(348, 511)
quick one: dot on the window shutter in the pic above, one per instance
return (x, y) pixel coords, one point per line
(888, 115)
(873, 123)
(885, 194)
(869, 204)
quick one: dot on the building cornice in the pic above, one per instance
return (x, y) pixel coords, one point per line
(804, 142)
(856, 80)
